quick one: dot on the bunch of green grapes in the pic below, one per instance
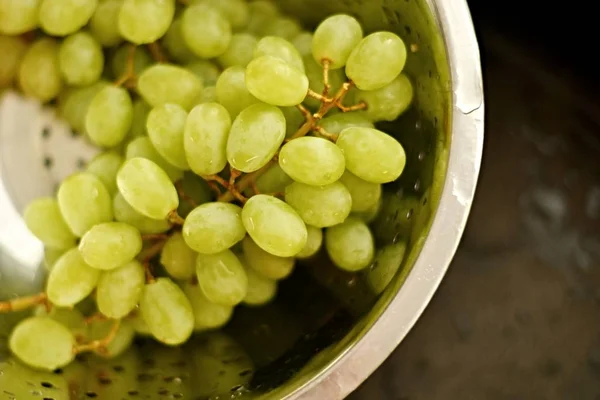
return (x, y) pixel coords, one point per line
(220, 166)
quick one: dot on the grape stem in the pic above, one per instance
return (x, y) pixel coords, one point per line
(360, 106)
(98, 316)
(150, 252)
(23, 303)
(175, 218)
(157, 52)
(327, 135)
(183, 195)
(326, 85)
(231, 188)
(128, 78)
(318, 96)
(148, 272)
(99, 345)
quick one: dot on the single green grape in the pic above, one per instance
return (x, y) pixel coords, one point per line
(165, 127)
(105, 166)
(239, 52)
(314, 73)
(338, 122)
(274, 180)
(110, 245)
(386, 155)
(77, 103)
(63, 17)
(207, 315)
(213, 227)
(222, 278)
(261, 290)
(266, 264)
(72, 319)
(376, 61)
(141, 60)
(280, 48)
(18, 16)
(312, 160)
(102, 24)
(320, 206)
(138, 121)
(147, 188)
(109, 116)
(80, 59)
(274, 225)
(285, 27)
(303, 43)
(365, 195)
(387, 262)
(313, 243)
(71, 279)
(119, 290)
(139, 325)
(388, 102)
(13, 49)
(205, 30)
(178, 258)
(255, 136)
(294, 119)
(350, 245)
(163, 83)
(261, 12)
(51, 256)
(84, 202)
(196, 189)
(143, 147)
(145, 21)
(232, 92)
(276, 82)
(43, 218)
(369, 215)
(127, 214)
(236, 11)
(175, 45)
(206, 70)
(335, 38)
(121, 342)
(209, 95)
(205, 138)
(39, 73)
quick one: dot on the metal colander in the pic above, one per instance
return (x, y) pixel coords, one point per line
(327, 330)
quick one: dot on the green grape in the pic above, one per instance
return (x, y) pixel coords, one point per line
(335, 38)
(143, 147)
(120, 289)
(51, 256)
(175, 45)
(320, 206)
(303, 43)
(293, 120)
(105, 166)
(232, 92)
(165, 126)
(63, 17)
(261, 290)
(275, 82)
(18, 16)
(314, 73)
(80, 59)
(77, 103)
(125, 213)
(338, 122)
(205, 30)
(284, 27)
(39, 74)
(274, 180)
(145, 21)
(386, 155)
(205, 138)
(139, 117)
(280, 48)
(42, 343)
(177, 258)
(206, 70)
(43, 218)
(139, 325)
(71, 319)
(209, 95)
(109, 116)
(167, 312)
(312, 160)
(387, 262)
(350, 245)
(365, 195)
(162, 83)
(141, 60)
(13, 49)
(255, 136)
(264, 263)
(222, 278)
(207, 315)
(376, 61)
(261, 13)
(388, 102)
(240, 50)
(313, 243)
(213, 227)
(84, 202)
(274, 225)
(236, 11)
(102, 24)
(110, 245)
(369, 215)
(71, 280)
(121, 342)
(197, 190)
(147, 188)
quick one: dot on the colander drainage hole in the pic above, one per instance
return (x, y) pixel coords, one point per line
(48, 161)
(47, 385)
(133, 393)
(48, 398)
(118, 369)
(163, 392)
(46, 132)
(91, 395)
(104, 380)
(58, 371)
(178, 395)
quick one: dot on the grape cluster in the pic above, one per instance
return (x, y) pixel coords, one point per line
(228, 153)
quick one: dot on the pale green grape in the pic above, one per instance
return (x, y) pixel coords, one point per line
(109, 116)
(275, 82)
(240, 50)
(338, 122)
(335, 38)
(350, 245)
(284, 27)
(255, 136)
(125, 213)
(313, 243)
(320, 206)
(232, 92)
(205, 30)
(209, 95)
(206, 70)
(12, 49)
(43, 218)
(213, 227)
(274, 225)
(261, 13)
(120, 289)
(314, 73)
(376, 61)
(147, 188)
(51, 256)
(141, 60)
(195, 188)
(167, 312)
(365, 195)
(71, 319)
(139, 117)
(222, 278)
(143, 147)
(236, 11)
(207, 315)
(84, 202)
(386, 156)
(18, 16)
(77, 103)
(280, 48)
(43, 343)
(312, 160)
(162, 83)
(63, 17)
(80, 59)
(205, 138)
(165, 126)
(140, 326)
(110, 245)
(371, 214)
(261, 290)
(145, 21)
(122, 341)
(293, 120)
(387, 262)
(264, 263)
(303, 43)
(105, 166)
(177, 258)
(175, 45)
(388, 102)
(103, 26)
(274, 180)
(71, 280)
(39, 74)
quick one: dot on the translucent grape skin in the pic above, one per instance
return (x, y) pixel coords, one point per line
(303, 43)
(320, 206)
(120, 289)
(18, 16)
(236, 11)
(105, 166)
(275, 82)
(350, 245)
(109, 116)
(206, 70)
(365, 195)
(206, 31)
(387, 262)
(165, 127)
(71, 280)
(138, 120)
(280, 48)
(213, 227)
(335, 38)
(261, 290)
(222, 278)
(388, 102)
(175, 45)
(125, 213)
(80, 59)
(261, 12)
(284, 27)
(163, 83)
(207, 315)
(143, 147)
(240, 50)
(386, 155)
(145, 21)
(71, 319)
(266, 264)
(232, 92)
(39, 73)
(43, 218)
(77, 103)
(312, 160)
(178, 258)
(313, 243)
(12, 49)
(110, 245)
(63, 17)
(102, 24)
(338, 122)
